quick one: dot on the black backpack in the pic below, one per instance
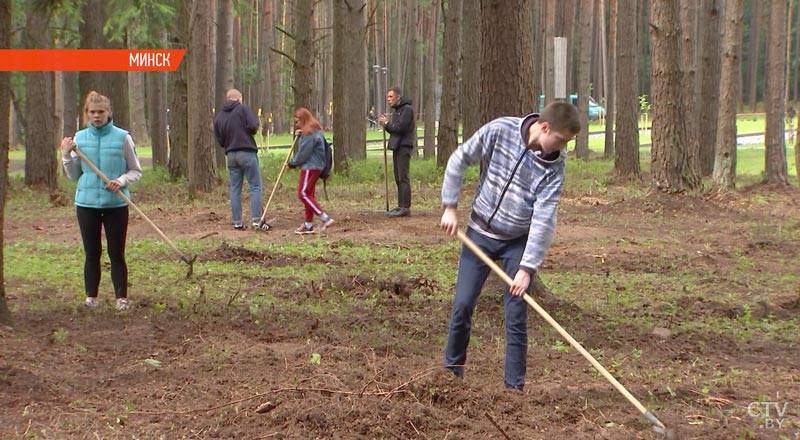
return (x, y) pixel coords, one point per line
(326, 171)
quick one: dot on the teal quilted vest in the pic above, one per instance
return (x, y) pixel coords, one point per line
(104, 147)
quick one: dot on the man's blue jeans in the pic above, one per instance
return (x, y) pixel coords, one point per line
(243, 164)
(472, 274)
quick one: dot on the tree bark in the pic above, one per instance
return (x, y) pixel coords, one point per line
(669, 150)
(584, 87)
(549, 52)
(506, 65)
(708, 112)
(177, 116)
(429, 85)
(5, 136)
(223, 76)
(136, 92)
(114, 85)
(157, 116)
(202, 166)
(775, 170)
(626, 161)
(349, 80)
(688, 66)
(41, 166)
(304, 56)
(411, 85)
(451, 57)
(471, 69)
(753, 47)
(611, 92)
(725, 156)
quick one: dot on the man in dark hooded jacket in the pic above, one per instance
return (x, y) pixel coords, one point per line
(402, 139)
(234, 127)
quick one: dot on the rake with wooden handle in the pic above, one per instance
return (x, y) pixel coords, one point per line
(184, 257)
(262, 223)
(658, 426)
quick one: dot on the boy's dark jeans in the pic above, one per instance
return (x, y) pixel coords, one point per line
(472, 273)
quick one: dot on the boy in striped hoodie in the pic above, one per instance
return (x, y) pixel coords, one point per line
(512, 220)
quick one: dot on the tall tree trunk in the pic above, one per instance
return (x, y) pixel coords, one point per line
(72, 105)
(223, 77)
(708, 111)
(796, 59)
(611, 92)
(584, 87)
(725, 157)
(349, 78)
(411, 85)
(549, 52)
(688, 68)
(670, 164)
(41, 166)
(599, 57)
(775, 137)
(429, 85)
(753, 47)
(157, 116)
(178, 118)
(136, 92)
(202, 169)
(626, 162)
(506, 65)
(471, 69)
(114, 85)
(451, 57)
(5, 136)
(304, 56)
(643, 67)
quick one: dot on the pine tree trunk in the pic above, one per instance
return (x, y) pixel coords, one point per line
(138, 128)
(669, 129)
(349, 80)
(429, 84)
(725, 157)
(775, 170)
(451, 55)
(157, 116)
(753, 46)
(40, 156)
(471, 69)
(177, 116)
(506, 65)
(626, 162)
(709, 95)
(304, 56)
(224, 66)
(202, 163)
(611, 93)
(5, 132)
(584, 61)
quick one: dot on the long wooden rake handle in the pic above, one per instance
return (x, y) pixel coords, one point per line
(657, 425)
(385, 170)
(278, 180)
(163, 236)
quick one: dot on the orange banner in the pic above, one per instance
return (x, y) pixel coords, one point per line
(90, 60)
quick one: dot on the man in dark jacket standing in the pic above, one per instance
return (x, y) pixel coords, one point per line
(234, 127)
(402, 139)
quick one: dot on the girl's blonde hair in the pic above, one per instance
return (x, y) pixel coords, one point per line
(95, 98)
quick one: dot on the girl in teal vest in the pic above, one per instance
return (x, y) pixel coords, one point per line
(98, 206)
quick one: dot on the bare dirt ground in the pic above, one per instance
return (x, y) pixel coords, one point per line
(224, 374)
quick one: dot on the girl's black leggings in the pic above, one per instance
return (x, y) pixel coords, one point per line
(115, 223)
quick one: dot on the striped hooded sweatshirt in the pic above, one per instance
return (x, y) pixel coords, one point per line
(518, 191)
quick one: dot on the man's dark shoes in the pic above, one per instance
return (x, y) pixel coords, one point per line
(399, 212)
